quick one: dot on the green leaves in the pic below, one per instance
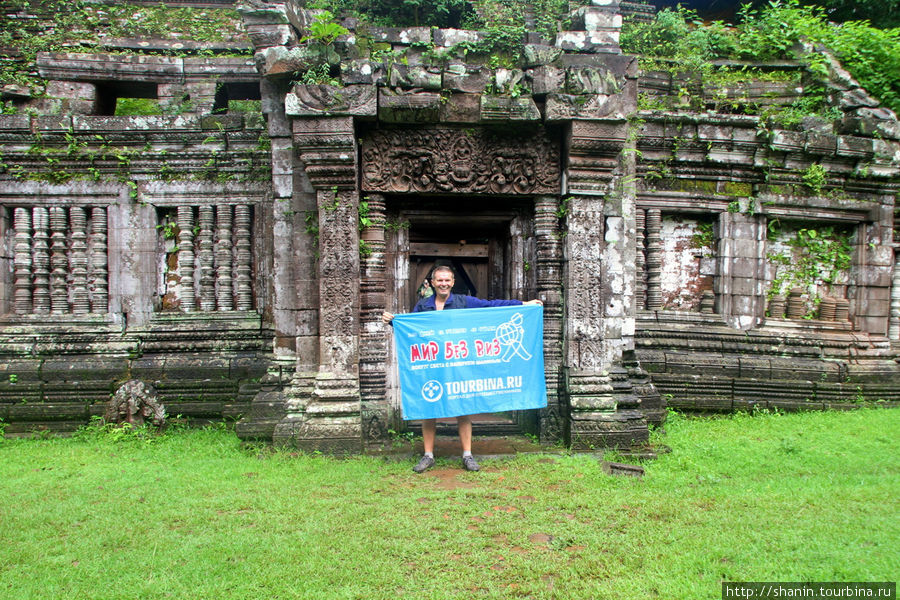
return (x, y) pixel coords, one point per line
(772, 32)
(324, 30)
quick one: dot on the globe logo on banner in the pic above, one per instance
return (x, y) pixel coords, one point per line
(510, 335)
(432, 391)
(476, 360)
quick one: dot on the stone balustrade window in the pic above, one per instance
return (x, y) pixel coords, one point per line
(677, 261)
(206, 259)
(59, 259)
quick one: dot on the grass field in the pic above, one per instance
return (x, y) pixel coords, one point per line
(192, 514)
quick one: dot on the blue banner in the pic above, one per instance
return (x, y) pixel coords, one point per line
(476, 360)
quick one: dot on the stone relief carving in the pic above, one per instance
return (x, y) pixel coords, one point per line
(135, 402)
(454, 160)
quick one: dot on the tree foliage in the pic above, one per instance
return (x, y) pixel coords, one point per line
(884, 13)
(773, 32)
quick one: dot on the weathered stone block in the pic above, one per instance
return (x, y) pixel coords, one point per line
(415, 107)
(563, 107)
(508, 81)
(820, 143)
(402, 35)
(788, 141)
(109, 67)
(592, 18)
(745, 267)
(855, 147)
(451, 37)
(497, 108)
(619, 64)
(279, 61)
(461, 108)
(462, 77)
(536, 55)
(591, 80)
(362, 71)
(592, 41)
(263, 36)
(414, 76)
(327, 100)
(546, 79)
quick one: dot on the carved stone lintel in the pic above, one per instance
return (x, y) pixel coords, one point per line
(453, 160)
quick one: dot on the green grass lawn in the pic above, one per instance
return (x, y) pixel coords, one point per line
(191, 514)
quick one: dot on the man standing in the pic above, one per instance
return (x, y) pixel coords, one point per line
(442, 281)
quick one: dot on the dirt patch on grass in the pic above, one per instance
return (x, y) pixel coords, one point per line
(448, 479)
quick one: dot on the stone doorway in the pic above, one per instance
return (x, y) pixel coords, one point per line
(491, 251)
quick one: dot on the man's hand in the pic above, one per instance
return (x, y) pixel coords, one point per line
(537, 302)
(387, 317)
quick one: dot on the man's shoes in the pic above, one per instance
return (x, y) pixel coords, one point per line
(470, 464)
(425, 463)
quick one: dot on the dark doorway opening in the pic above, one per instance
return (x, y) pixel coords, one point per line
(490, 251)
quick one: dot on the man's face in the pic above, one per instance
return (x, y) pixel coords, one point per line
(442, 281)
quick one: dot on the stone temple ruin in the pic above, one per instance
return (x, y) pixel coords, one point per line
(239, 262)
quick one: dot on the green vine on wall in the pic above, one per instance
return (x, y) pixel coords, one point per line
(815, 260)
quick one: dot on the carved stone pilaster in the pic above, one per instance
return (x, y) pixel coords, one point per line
(224, 288)
(41, 224)
(588, 383)
(243, 287)
(22, 261)
(548, 237)
(59, 262)
(185, 220)
(99, 261)
(328, 416)
(600, 275)
(78, 261)
(207, 259)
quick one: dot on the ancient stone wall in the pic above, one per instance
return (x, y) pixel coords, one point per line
(239, 261)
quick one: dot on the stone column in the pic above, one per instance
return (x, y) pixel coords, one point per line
(326, 415)
(550, 289)
(22, 261)
(742, 266)
(373, 341)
